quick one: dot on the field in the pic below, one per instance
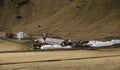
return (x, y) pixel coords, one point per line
(70, 19)
(101, 59)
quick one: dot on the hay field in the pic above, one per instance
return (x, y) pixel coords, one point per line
(104, 59)
(11, 46)
(101, 59)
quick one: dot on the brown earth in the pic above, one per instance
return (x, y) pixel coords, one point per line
(76, 19)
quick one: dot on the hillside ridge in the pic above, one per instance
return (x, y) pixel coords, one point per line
(76, 19)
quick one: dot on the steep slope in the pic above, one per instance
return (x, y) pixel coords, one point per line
(90, 19)
(28, 12)
(77, 19)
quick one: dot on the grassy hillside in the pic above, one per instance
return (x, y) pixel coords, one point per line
(76, 19)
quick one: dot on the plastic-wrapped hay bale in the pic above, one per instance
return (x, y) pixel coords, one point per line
(67, 47)
(102, 44)
(51, 47)
(91, 43)
(115, 41)
(57, 46)
(47, 47)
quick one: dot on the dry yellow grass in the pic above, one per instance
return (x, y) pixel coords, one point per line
(31, 60)
(11, 46)
(102, 59)
(77, 19)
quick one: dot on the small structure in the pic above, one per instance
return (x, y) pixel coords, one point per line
(54, 40)
(21, 35)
